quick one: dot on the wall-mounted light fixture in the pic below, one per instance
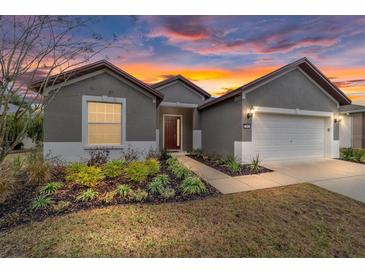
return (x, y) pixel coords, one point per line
(337, 118)
(250, 112)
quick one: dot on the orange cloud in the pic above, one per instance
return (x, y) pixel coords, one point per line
(218, 81)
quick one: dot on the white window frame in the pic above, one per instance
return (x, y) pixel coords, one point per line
(102, 99)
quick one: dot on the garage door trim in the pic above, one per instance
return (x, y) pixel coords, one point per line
(289, 111)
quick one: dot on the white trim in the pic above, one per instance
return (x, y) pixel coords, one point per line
(318, 86)
(181, 129)
(178, 104)
(85, 100)
(268, 81)
(290, 111)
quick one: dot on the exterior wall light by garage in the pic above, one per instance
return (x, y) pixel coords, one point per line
(337, 118)
(250, 112)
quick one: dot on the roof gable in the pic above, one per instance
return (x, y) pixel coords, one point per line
(183, 80)
(90, 68)
(305, 65)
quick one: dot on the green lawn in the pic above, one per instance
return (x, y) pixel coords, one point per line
(294, 221)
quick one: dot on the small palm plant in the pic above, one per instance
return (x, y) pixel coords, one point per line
(87, 195)
(40, 202)
(192, 185)
(255, 164)
(123, 191)
(51, 188)
(232, 164)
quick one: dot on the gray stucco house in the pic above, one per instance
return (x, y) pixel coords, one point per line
(352, 130)
(289, 113)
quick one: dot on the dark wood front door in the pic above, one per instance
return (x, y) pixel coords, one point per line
(172, 132)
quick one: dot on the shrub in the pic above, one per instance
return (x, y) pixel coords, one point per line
(7, 181)
(156, 186)
(51, 187)
(37, 170)
(350, 154)
(74, 168)
(87, 195)
(192, 185)
(98, 157)
(167, 193)
(362, 159)
(108, 197)
(123, 191)
(17, 164)
(41, 201)
(113, 168)
(153, 166)
(164, 154)
(232, 164)
(139, 195)
(255, 164)
(87, 176)
(172, 161)
(356, 155)
(136, 172)
(61, 206)
(180, 171)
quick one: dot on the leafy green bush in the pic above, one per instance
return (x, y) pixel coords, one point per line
(153, 166)
(139, 195)
(232, 164)
(362, 159)
(172, 161)
(136, 172)
(158, 184)
(38, 171)
(87, 176)
(180, 171)
(167, 193)
(73, 168)
(192, 185)
(113, 168)
(255, 164)
(41, 201)
(197, 152)
(123, 191)
(87, 195)
(350, 154)
(51, 187)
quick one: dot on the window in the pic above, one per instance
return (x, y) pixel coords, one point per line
(104, 124)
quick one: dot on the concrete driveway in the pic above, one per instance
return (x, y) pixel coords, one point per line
(345, 178)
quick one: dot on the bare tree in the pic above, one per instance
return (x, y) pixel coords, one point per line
(33, 47)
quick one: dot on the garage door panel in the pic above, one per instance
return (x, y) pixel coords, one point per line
(288, 136)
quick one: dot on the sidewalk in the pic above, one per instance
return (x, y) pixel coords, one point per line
(227, 184)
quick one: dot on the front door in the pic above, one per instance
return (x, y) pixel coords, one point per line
(172, 132)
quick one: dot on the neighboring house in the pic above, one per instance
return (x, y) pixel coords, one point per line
(352, 130)
(289, 113)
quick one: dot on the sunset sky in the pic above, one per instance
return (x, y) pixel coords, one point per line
(220, 53)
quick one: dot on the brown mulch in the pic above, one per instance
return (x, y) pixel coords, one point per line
(245, 169)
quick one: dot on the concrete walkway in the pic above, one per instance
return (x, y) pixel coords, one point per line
(227, 184)
(342, 177)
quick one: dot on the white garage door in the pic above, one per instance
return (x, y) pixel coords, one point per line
(288, 136)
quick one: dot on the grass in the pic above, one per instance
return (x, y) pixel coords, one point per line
(294, 221)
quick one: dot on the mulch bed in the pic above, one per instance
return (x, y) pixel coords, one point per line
(245, 169)
(16, 210)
